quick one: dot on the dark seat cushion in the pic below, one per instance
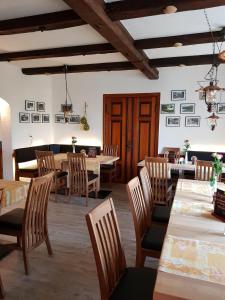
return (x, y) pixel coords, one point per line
(12, 220)
(92, 176)
(136, 284)
(61, 174)
(169, 182)
(107, 167)
(154, 237)
(28, 170)
(161, 214)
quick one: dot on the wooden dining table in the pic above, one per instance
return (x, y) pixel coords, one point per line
(92, 163)
(192, 262)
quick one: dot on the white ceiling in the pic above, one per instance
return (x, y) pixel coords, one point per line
(148, 27)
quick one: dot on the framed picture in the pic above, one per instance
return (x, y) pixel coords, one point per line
(74, 119)
(36, 118)
(24, 117)
(45, 118)
(201, 95)
(192, 121)
(59, 118)
(173, 121)
(178, 95)
(221, 108)
(29, 105)
(41, 106)
(187, 108)
(167, 108)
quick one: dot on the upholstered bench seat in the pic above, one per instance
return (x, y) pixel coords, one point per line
(28, 165)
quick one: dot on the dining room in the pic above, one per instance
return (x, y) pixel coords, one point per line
(112, 159)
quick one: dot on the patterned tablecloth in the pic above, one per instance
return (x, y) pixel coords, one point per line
(194, 258)
(14, 191)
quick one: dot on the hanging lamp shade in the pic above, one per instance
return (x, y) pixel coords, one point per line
(212, 120)
(66, 108)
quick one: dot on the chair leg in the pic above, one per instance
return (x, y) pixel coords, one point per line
(140, 259)
(48, 244)
(2, 292)
(25, 260)
(86, 203)
(110, 178)
(96, 190)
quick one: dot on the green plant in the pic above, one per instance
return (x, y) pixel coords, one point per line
(186, 146)
(217, 167)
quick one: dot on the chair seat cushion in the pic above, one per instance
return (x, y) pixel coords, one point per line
(92, 176)
(153, 238)
(136, 284)
(12, 220)
(61, 174)
(161, 214)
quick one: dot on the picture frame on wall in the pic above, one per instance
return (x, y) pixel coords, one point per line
(173, 121)
(221, 108)
(36, 118)
(192, 121)
(45, 118)
(187, 108)
(59, 118)
(168, 108)
(29, 105)
(178, 95)
(40, 106)
(24, 117)
(74, 119)
(201, 95)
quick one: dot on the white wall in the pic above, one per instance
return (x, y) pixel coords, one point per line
(90, 87)
(15, 88)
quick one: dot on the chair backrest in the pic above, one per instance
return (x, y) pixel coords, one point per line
(138, 209)
(45, 162)
(1, 196)
(35, 214)
(203, 170)
(158, 172)
(110, 150)
(77, 173)
(106, 242)
(172, 154)
(147, 190)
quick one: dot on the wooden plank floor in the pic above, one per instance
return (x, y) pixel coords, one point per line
(71, 272)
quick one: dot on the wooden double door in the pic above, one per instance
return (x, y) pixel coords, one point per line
(131, 122)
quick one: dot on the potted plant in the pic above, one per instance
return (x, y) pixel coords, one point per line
(186, 148)
(217, 169)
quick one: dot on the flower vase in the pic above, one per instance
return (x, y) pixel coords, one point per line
(186, 157)
(215, 184)
(74, 150)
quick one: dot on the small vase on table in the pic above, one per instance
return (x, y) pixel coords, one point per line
(186, 157)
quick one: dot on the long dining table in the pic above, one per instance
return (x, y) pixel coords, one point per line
(92, 163)
(192, 262)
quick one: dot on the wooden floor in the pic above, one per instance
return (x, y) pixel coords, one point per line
(71, 272)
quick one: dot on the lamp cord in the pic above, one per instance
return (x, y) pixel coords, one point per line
(66, 82)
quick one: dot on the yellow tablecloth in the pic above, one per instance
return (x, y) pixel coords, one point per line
(14, 191)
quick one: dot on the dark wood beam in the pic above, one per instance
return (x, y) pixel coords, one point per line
(120, 66)
(49, 21)
(58, 52)
(93, 12)
(128, 9)
(188, 39)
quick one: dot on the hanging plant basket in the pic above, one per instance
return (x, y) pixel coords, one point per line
(83, 120)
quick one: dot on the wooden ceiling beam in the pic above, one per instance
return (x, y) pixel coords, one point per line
(128, 9)
(121, 66)
(93, 12)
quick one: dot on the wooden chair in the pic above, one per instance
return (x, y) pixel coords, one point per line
(46, 165)
(29, 225)
(149, 239)
(172, 154)
(156, 213)
(160, 183)
(110, 170)
(81, 182)
(117, 282)
(204, 170)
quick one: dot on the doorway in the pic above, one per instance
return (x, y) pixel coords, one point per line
(131, 121)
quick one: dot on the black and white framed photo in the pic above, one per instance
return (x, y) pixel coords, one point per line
(29, 105)
(192, 121)
(178, 95)
(187, 108)
(40, 106)
(59, 118)
(173, 121)
(168, 108)
(36, 118)
(201, 95)
(24, 117)
(45, 118)
(74, 119)
(221, 108)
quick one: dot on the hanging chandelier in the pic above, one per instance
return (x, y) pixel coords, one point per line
(212, 92)
(67, 107)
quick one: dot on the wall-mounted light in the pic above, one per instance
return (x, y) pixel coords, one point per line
(170, 9)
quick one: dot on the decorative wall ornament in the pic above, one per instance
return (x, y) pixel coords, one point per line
(74, 119)
(221, 108)
(45, 118)
(36, 118)
(173, 121)
(187, 108)
(192, 121)
(24, 117)
(168, 108)
(178, 95)
(83, 120)
(59, 118)
(40, 106)
(29, 105)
